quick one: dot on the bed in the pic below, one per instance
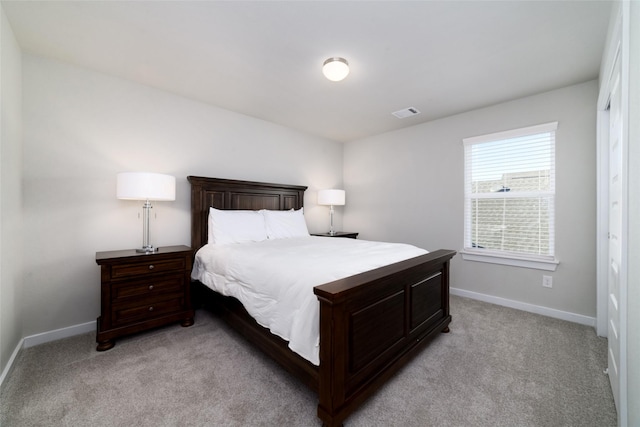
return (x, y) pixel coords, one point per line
(370, 324)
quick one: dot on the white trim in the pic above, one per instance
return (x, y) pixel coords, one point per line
(45, 337)
(623, 411)
(58, 334)
(611, 53)
(513, 133)
(535, 263)
(9, 365)
(616, 49)
(530, 308)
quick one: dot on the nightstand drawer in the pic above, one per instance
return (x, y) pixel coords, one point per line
(125, 314)
(150, 266)
(147, 287)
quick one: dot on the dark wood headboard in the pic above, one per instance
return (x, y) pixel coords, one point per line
(233, 194)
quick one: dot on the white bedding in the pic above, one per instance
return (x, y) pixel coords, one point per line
(274, 279)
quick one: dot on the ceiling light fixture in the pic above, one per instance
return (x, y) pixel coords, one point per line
(335, 69)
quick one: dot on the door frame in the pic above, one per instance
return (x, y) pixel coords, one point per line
(612, 50)
(618, 45)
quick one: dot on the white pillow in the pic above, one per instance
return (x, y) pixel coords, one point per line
(285, 224)
(235, 226)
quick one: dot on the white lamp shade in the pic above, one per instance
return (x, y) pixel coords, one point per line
(335, 69)
(146, 186)
(331, 197)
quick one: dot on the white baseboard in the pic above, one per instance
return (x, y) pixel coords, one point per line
(45, 337)
(57, 334)
(9, 365)
(537, 309)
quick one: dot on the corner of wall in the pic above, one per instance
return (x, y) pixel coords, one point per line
(10, 194)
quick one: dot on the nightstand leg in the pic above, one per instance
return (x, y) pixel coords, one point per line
(105, 345)
(187, 322)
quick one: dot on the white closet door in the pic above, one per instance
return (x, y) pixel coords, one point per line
(617, 242)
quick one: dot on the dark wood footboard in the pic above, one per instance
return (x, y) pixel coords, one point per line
(371, 325)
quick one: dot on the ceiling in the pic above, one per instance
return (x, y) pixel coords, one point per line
(264, 58)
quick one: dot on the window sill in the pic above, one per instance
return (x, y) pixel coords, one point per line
(538, 264)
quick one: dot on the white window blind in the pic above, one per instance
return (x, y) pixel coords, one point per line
(510, 193)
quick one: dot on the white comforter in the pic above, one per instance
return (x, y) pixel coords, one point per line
(274, 278)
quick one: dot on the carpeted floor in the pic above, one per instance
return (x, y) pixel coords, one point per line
(497, 367)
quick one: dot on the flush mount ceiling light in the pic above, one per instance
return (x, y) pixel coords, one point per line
(335, 69)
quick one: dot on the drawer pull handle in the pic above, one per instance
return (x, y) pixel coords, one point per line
(150, 287)
(151, 267)
(151, 308)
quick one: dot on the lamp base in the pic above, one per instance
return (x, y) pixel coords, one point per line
(147, 250)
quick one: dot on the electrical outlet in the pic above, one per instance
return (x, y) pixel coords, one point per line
(547, 281)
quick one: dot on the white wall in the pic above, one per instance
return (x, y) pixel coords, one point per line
(81, 128)
(10, 193)
(407, 186)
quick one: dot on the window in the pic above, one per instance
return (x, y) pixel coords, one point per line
(510, 197)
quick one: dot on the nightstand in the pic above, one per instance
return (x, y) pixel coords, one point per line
(142, 291)
(338, 234)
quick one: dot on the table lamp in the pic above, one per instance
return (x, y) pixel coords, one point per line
(332, 198)
(146, 186)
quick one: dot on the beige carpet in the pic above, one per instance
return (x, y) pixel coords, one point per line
(497, 367)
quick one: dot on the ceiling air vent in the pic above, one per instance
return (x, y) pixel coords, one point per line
(407, 112)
